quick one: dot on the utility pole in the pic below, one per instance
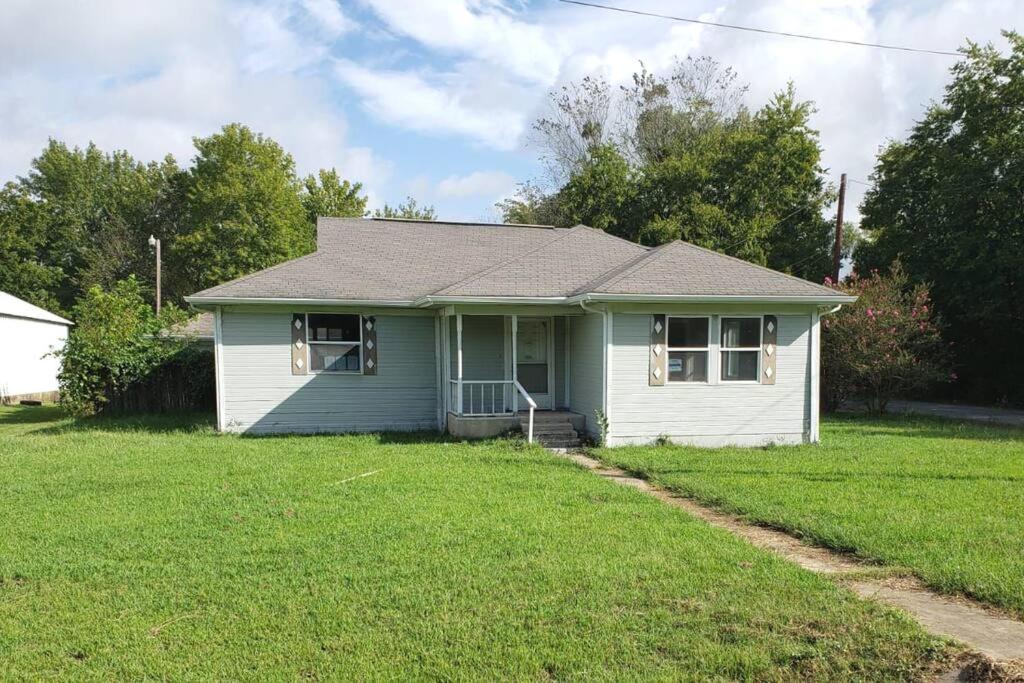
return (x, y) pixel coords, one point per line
(154, 242)
(837, 249)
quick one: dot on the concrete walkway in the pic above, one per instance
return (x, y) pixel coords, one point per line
(1002, 416)
(982, 629)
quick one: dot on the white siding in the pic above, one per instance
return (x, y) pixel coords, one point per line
(586, 367)
(261, 395)
(708, 414)
(25, 367)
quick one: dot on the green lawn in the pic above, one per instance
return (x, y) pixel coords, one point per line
(943, 499)
(158, 549)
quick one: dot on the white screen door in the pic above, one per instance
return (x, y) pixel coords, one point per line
(532, 339)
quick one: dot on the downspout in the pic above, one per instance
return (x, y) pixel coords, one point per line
(819, 313)
(604, 356)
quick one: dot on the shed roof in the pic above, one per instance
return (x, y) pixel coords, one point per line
(14, 307)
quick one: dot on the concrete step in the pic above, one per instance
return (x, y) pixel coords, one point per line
(564, 428)
(559, 443)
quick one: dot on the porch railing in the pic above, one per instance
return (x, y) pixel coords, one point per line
(533, 404)
(486, 398)
(482, 397)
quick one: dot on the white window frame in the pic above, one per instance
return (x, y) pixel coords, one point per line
(309, 348)
(722, 349)
(669, 349)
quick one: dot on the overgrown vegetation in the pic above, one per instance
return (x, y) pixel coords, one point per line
(946, 204)
(940, 498)
(182, 553)
(115, 350)
(679, 156)
(886, 344)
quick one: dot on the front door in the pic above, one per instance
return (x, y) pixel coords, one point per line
(533, 337)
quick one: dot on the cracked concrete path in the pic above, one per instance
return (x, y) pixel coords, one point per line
(982, 629)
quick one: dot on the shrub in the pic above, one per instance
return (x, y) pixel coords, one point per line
(887, 344)
(113, 344)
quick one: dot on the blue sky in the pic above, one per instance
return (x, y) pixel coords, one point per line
(434, 98)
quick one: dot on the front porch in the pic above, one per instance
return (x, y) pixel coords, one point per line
(503, 371)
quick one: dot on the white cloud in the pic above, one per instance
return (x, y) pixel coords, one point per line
(863, 96)
(329, 16)
(489, 31)
(477, 184)
(158, 81)
(445, 105)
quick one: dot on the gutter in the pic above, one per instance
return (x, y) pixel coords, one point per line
(710, 298)
(431, 300)
(208, 303)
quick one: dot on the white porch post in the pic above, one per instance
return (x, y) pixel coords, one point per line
(458, 335)
(515, 374)
(446, 362)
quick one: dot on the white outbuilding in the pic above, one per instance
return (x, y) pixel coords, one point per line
(28, 336)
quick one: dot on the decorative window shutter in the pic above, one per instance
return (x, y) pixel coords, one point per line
(659, 352)
(298, 344)
(369, 323)
(769, 349)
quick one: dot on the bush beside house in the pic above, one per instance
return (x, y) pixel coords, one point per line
(115, 360)
(885, 345)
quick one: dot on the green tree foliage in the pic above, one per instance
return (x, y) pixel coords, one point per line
(408, 209)
(23, 269)
(113, 344)
(87, 216)
(946, 202)
(529, 205)
(326, 194)
(82, 217)
(244, 208)
(685, 159)
(887, 344)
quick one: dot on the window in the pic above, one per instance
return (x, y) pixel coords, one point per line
(688, 349)
(741, 349)
(335, 342)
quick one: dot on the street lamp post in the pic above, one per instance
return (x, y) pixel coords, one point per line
(154, 242)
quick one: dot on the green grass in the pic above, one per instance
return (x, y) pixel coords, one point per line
(159, 549)
(943, 499)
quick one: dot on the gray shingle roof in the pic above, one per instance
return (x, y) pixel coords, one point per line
(556, 268)
(683, 269)
(196, 327)
(365, 259)
(403, 261)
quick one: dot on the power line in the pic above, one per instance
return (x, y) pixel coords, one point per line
(787, 34)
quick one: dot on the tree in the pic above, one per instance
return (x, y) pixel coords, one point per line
(410, 209)
(530, 205)
(88, 215)
(326, 194)
(684, 159)
(244, 209)
(113, 344)
(601, 192)
(23, 271)
(946, 203)
(884, 345)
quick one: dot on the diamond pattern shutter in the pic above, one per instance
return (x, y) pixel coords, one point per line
(659, 353)
(769, 349)
(369, 344)
(298, 344)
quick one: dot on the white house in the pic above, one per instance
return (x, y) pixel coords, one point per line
(406, 325)
(28, 334)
